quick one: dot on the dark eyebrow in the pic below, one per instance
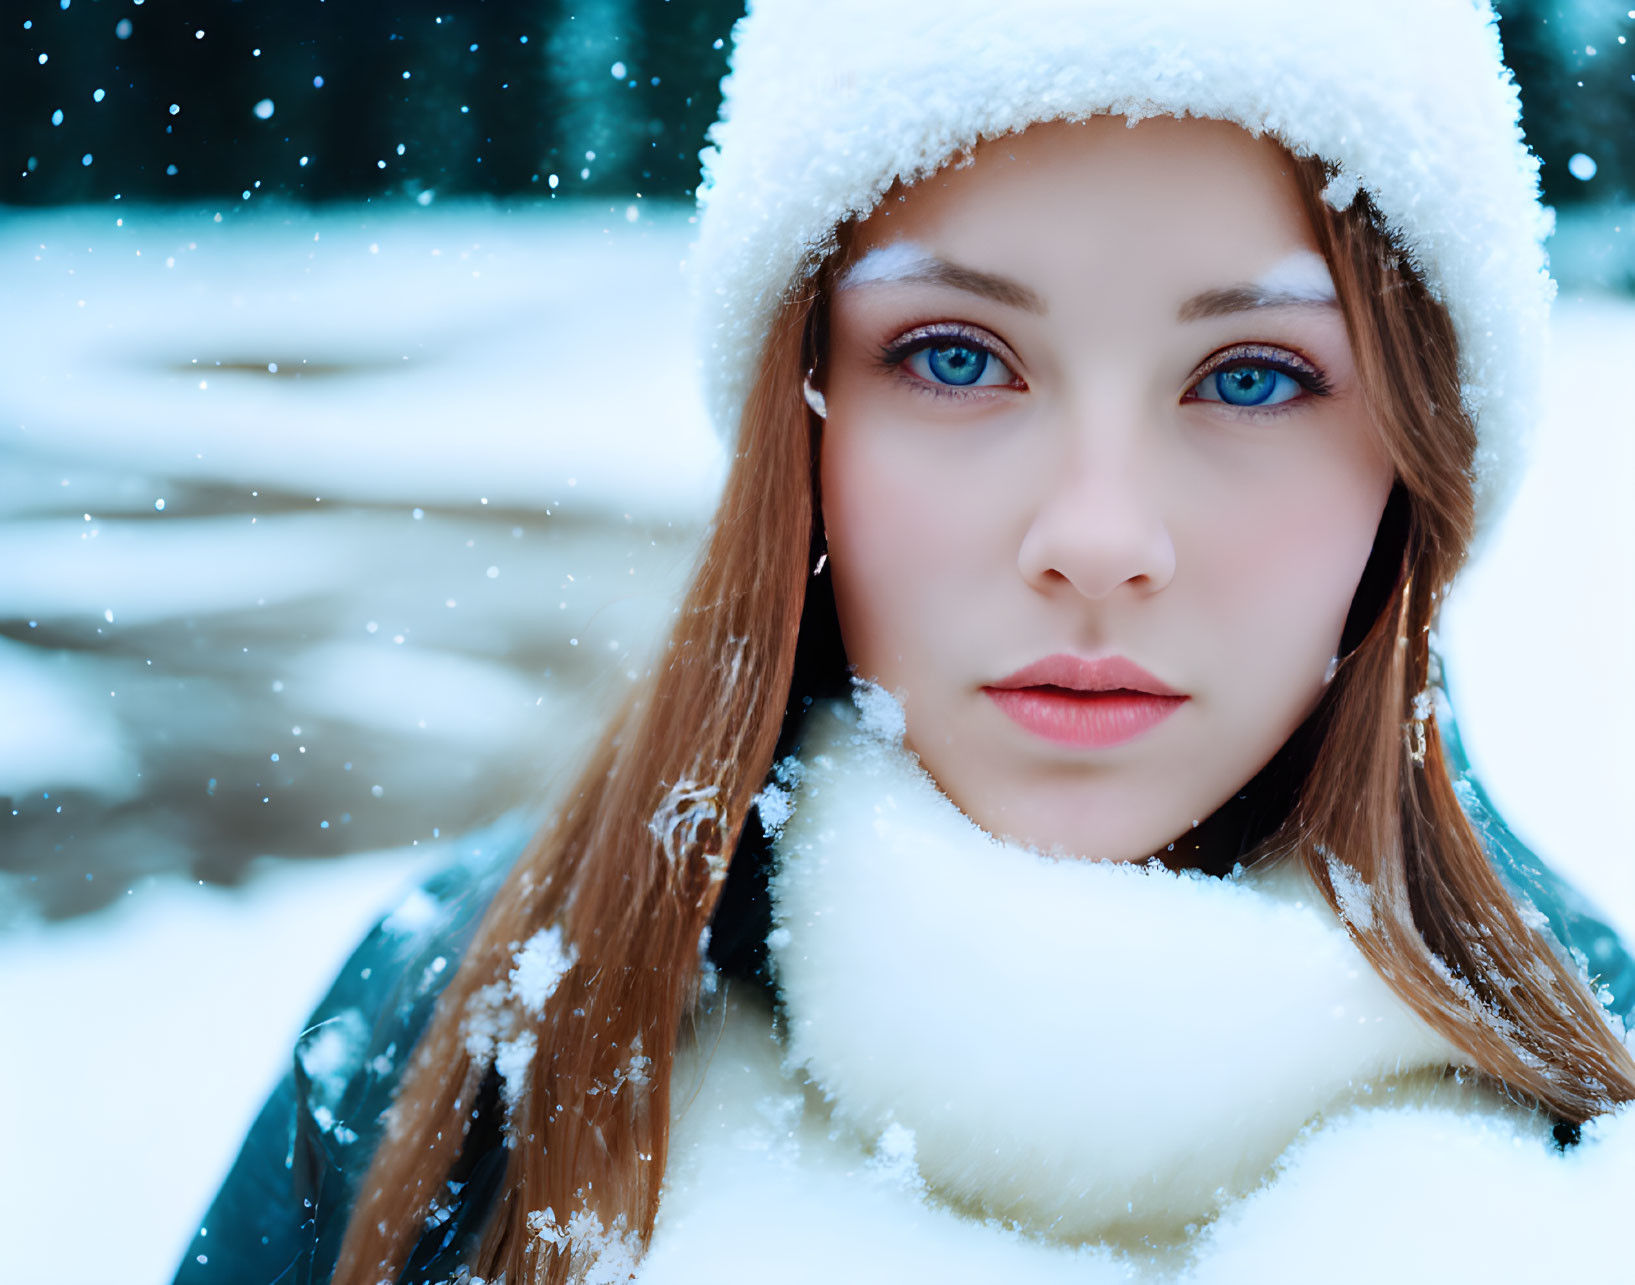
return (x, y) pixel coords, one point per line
(1231, 299)
(939, 272)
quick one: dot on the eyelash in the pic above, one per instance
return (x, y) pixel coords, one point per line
(1296, 367)
(899, 350)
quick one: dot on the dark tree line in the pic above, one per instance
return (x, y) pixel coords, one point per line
(1577, 91)
(499, 96)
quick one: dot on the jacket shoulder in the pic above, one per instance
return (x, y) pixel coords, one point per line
(280, 1213)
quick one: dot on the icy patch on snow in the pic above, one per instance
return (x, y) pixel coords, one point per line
(143, 571)
(453, 286)
(540, 968)
(426, 691)
(55, 733)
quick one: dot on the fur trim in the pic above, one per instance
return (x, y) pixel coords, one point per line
(761, 1187)
(1074, 1046)
(941, 1022)
(829, 102)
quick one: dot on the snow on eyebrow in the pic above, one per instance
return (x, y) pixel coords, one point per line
(887, 263)
(1303, 274)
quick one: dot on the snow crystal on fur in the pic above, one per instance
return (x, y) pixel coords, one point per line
(761, 1186)
(830, 101)
(880, 714)
(774, 804)
(1433, 1195)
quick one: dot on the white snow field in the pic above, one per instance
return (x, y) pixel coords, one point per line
(415, 563)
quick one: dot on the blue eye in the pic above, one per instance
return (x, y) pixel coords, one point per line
(1254, 376)
(959, 365)
(956, 365)
(1249, 386)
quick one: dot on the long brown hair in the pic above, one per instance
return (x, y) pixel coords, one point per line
(630, 871)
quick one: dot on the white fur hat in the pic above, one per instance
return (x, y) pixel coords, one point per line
(829, 101)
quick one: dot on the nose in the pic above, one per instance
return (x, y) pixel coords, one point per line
(1098, 525)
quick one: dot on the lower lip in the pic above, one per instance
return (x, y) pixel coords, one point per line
(1084, 720)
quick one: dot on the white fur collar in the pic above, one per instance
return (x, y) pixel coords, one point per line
(1082, 1049)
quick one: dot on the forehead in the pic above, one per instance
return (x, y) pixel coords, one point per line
(1163, 208)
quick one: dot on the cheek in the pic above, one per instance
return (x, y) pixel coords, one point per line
(874, 535)
(904, 532)
(1283, 565)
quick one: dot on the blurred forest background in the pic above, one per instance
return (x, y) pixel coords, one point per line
(321, 100)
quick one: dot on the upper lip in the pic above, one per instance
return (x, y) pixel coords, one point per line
(1074, 673)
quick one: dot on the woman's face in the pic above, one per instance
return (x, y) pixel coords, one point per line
(1098, 478)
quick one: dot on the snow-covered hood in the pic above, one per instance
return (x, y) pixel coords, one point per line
(1075, 1046)
(830, 101)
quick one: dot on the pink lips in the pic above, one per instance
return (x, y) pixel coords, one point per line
(1087, 704)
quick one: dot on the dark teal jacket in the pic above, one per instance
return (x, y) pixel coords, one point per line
(280, 1215)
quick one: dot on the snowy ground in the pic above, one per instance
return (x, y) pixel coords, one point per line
(415, 563)
(326, 532)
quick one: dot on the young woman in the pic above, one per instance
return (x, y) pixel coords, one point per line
(1037, 855)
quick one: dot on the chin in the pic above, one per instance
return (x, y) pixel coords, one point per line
(1131, 842)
